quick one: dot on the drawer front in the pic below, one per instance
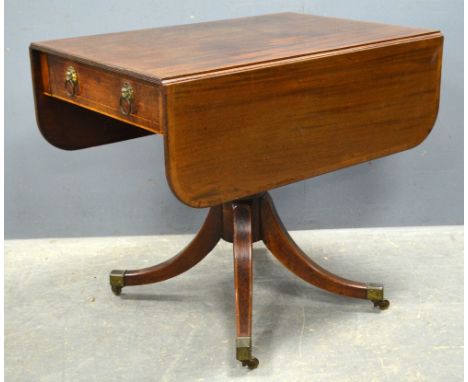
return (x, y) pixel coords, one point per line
(101, 91)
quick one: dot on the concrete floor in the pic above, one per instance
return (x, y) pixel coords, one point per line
(62, 323)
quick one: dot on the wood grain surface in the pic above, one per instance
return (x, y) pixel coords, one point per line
(250, 104)
(178, 51)
(243, 267)
(238, 134)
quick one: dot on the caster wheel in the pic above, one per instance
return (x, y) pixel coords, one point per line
(382, 305)
(116, 290)
(251, 363)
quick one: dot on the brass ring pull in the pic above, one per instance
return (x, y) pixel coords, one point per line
(126, 99)
(71, 81)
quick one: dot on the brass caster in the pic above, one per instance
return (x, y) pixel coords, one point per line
(251, 363)
(117, 281)
(375, 293)
(116, 290)
(382, 305)
(244, 352)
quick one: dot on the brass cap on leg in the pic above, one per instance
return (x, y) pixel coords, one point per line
(244, 352)
(375, 293)
(243, 348)
(117, 281)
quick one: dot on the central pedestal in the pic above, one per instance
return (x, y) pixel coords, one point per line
(244, 222)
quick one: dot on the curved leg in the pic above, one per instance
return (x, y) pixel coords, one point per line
(242, 241)
(280, 243)
(205, 240)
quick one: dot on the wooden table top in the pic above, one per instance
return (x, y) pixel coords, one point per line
(244, 105)
(179, 51)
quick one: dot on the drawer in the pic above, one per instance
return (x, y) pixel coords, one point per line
(106, 92)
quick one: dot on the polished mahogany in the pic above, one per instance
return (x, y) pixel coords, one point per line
(244, 106)
(249, 104)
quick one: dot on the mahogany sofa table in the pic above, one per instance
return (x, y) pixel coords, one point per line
(244, 106)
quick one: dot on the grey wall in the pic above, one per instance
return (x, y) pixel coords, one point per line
(120, 189)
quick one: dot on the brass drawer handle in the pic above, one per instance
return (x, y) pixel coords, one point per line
(71, 81)
(126, 99)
